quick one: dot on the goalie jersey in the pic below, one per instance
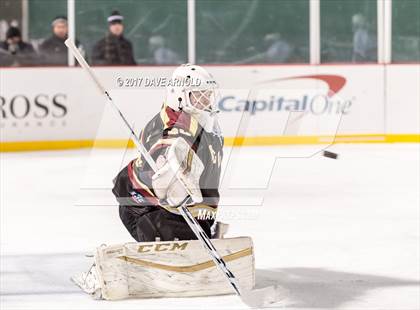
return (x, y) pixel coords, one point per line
(133, 185)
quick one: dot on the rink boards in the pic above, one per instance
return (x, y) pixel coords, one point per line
(47, 108)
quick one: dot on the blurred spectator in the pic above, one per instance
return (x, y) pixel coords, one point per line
(162, 55)
(363, 47)
(4, 26)
(14, 51)
(113, 49)
(278, 50)
(53, 50)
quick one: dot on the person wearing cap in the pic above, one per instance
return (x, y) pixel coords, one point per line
(114, 48)
(53, 49)
(14, 51)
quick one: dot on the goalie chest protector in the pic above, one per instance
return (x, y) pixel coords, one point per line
(172, 269)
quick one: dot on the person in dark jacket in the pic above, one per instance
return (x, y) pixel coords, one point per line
(113, 49)
(14, 51)
(53, 50)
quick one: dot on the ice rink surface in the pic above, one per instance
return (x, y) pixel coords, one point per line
(341, 234)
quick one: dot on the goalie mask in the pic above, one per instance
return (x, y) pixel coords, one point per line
(194, 91)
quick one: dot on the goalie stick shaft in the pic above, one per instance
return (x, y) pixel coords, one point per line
(186, 214)
(208, 245)
(86, 67)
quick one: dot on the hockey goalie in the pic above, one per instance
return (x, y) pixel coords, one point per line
(185, 141)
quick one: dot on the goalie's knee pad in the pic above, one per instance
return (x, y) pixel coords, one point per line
(166, 226)
(146, 228)
(130, 216)
(148, 223)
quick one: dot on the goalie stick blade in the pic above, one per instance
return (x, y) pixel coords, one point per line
(259, 298)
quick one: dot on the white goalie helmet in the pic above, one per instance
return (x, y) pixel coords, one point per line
(193, 90)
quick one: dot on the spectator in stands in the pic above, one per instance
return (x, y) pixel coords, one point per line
(14, 51)
(113, 49)
(275, 50)
(162, 55)
(363, 46)
(53, 50)
(278, 50)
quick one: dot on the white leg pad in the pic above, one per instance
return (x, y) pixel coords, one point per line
(169, 269)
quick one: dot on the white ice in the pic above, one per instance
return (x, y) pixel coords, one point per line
(340, 234)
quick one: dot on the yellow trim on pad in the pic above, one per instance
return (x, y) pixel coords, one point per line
(229, 141)
(190, 268)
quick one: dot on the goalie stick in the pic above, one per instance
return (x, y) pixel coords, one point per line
(253, 298)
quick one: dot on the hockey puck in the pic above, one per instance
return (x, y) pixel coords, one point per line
(330, 154)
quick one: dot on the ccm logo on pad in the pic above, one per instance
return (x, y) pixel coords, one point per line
(162, 247)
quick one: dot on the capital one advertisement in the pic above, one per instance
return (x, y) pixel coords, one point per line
(52, 104)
